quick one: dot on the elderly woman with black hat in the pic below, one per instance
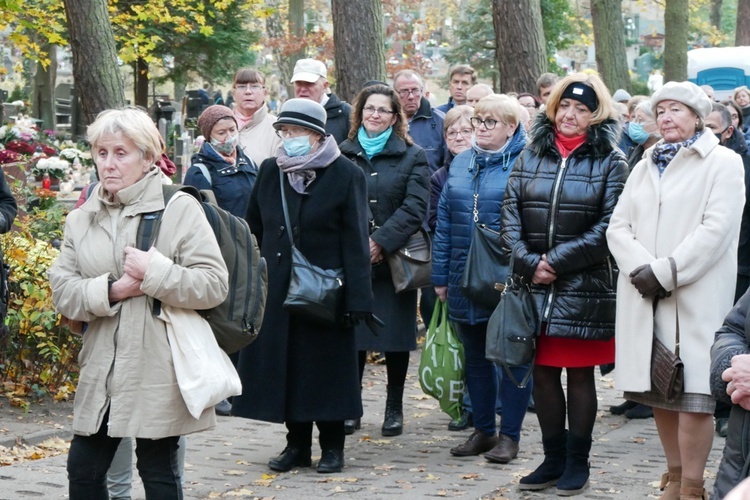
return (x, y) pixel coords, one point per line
(299, 372)
(674, 235)
(555, 212)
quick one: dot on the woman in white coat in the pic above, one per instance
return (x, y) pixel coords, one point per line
(682, 203)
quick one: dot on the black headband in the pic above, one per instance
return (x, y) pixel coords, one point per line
(583, 94)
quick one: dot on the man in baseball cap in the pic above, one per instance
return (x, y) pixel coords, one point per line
(310, 79)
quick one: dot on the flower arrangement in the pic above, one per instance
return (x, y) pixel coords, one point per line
(21, 147)
(55, 167)
(73, 155)
(8, 156)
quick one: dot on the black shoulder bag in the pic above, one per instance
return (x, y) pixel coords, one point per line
(314, 293)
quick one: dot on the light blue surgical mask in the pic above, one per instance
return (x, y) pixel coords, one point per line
(297, 146)
(636, 132)
(228, 146)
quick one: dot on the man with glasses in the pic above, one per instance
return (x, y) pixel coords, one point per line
(310, 81)
(257, 136)
(461, 78)
(425, 122)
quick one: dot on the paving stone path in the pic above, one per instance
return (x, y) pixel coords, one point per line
(230, 461)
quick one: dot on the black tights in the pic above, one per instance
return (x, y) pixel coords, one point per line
(396, 365)
(550, 401)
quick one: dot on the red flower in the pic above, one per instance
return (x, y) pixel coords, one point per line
(20, 147)
(7, 156)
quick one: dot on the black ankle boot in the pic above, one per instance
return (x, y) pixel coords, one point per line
(393, 423)
(575, 478)
(550, 471)
(291, 457)
(352, 425)
(331, 461)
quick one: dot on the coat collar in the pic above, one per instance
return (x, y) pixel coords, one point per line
(257, 117)
(424, 111)
(601, 138)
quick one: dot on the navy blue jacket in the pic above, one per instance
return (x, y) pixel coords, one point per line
(231, 184)
(426, 128)
(447, 106)
(455, 222)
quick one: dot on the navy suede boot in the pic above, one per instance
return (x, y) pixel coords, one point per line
(550, 471)
(575, 478)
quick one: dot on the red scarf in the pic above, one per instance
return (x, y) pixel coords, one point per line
(566, 145)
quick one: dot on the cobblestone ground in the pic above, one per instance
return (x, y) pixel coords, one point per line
(230, 461)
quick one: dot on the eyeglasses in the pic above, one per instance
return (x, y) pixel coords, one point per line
(489, 123)
(244, 87)
(464, 132)
(371, 110)
(404, 93)
(287, 134)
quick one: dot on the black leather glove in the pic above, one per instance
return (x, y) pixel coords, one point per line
(354, 318)
(644, 280)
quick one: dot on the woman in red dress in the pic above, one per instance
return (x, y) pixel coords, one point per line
(556, 210)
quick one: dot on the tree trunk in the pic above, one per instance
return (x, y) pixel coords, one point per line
(95, 67)
(521, 53)
(742, 35)
(297, 29)
(676, 15)
(43, 97)
(609, 42)
(275, 31)
(715, 14)
(141, 83)
(358, 45)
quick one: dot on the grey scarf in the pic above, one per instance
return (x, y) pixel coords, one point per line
(301, 169)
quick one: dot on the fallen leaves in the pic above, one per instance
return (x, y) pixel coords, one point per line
(22, 453)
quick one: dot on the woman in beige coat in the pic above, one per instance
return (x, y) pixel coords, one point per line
(682, 202)
(127, 385)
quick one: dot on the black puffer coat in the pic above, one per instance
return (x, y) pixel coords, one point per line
(731, 340)
(562, 208)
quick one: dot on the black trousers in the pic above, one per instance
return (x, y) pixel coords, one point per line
(331, 436)
(90, 457)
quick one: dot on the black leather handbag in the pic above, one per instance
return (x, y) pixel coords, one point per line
(484, 264)
(411, 266)
(314, 293)
(513, 329)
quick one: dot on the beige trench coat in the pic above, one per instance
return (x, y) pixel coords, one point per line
(692, 214)
(126, 363)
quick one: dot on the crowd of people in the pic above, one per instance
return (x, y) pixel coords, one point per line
(623, 216)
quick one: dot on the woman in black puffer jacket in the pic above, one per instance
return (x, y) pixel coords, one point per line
(555, 213)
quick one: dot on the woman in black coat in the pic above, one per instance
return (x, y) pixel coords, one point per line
(299, 372)
(397, 176)
(556, 210)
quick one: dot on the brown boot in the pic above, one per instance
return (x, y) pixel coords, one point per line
(670, 484)
(692, 489)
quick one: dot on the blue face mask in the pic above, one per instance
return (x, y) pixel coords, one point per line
(297, 146)
(636, 132)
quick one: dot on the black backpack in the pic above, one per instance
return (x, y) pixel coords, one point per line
(236, 321)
